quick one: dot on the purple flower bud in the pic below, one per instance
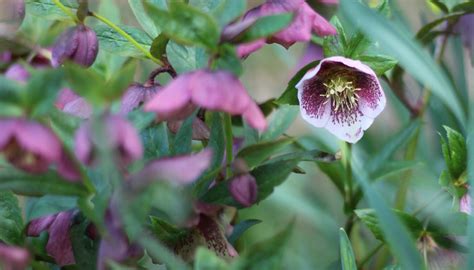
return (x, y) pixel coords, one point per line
(136, 95)
(12, 13)
(342, 95)
(212, 90)
(13, 258)
(28, 145)
(78, 44)
(244, 189)
(121, 137)
(59, 243)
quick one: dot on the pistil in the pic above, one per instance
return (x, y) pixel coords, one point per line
(341, 93)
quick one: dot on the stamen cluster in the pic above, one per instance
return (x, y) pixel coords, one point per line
(342, 94)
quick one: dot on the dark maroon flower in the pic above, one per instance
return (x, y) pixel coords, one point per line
(120, 136)
(342, 95)
(13, 258)
(212, 90)
(59, 243)
(78, 44)
(305, 21)
(28, 145)
(244, 189)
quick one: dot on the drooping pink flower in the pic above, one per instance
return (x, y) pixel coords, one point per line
(136, 95)
(342, 95)
(73, 104)
(17, 73)
(305, 22)
(212, 90)
(120, 136)
(59, 244)
(244, 189)
(78, 44)
(181, 170)
(13, 258)
(28, 145)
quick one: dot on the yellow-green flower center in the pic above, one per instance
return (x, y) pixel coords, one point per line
(342, 94)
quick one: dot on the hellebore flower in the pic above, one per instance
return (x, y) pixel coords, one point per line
(28, 145)
(69, 102)
(78, 44)
(17, 73)
(218, 90)
(244, 189)
(181, 170)
(120, 136)
(13, 258)
(59, 244)
(305, 21)
(342, 95)
(465, 204)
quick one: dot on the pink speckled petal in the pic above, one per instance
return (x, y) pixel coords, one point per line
(349, 132)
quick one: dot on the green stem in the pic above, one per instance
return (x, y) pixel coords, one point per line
(369, 255)
(128, 37)
(229, 143)
(346, 161)
(66, 10)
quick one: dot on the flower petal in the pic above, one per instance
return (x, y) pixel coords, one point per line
(254, 117)
(39, 225)
(135, 95)
(59, 244)
(7, 126)
(65, 96)
(321, 26)
(79, 108)
(13, 258)
(349, 129)
(38, 139)
(172, 100)
(244, 50)
(244, 189)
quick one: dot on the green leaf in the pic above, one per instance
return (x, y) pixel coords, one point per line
(86, 82)
(11, 222)
(357, 45)
(166, 232)
(240, 228)
(206, 259)
(308, 155)
(467, 7)
(158, 47)
(185, 24)
(42, 89)
(454, 152)
(370, 219)
(264, 27)
(84, 248)
(425, 33)
(10, 91)
(397, 236)
(335, 45)
(47, 205)
(280, 121)
(394, 167)
(119, 82)
(46, 9)
(265, 254)
(38, 184)
(347, 254)
(155, 140)
(142, 17)
(440, 5)
(185, 59)
(379, 63)
(228, 10)
(183, 139)
(110, 40)
(409, 54)
(255, 154)
(228, 60)
(290, 95)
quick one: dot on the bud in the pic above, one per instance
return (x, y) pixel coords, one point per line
(78, 44)
(136, 95)
(244, 189)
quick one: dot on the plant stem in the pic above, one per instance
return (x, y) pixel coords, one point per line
(369, 255)
(348, 186)
(127, 36)
(229, 143)
(66, 10)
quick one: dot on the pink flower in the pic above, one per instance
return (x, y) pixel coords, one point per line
(120, 136)
(13, 258)
(342, 95)
(181, 170)
(305, 22)
(244, 189)
(28, 145)
(17, 73)
(136, 95)
(212, 90)
(59, 243)
(69, 102)
(78, 44)
(465, 203)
